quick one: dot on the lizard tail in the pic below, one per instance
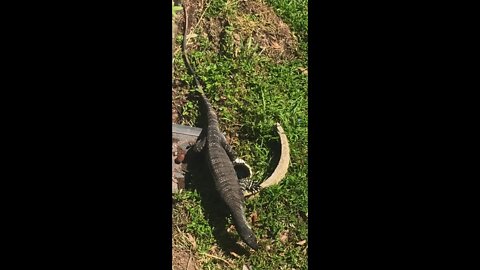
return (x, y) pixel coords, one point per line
(192, 71)
(184, 49)
(237, 211)
(243, 229)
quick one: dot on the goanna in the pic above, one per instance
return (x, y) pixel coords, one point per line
(220, 156)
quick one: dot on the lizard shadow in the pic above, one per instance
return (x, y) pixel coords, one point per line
(216, 212)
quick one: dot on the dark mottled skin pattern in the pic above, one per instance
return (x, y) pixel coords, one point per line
(220, 157)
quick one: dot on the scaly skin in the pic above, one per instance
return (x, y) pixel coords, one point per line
(220, 158)
(219, 161)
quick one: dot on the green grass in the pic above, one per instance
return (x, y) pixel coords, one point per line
(295, 14)
(251, 92)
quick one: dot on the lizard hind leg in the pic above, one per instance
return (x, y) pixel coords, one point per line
(230, 152)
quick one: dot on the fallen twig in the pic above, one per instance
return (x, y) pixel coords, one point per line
(189, 259)
(201, 16)
(213, 256)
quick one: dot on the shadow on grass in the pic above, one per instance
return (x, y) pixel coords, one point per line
(273, 144)
(216, 212)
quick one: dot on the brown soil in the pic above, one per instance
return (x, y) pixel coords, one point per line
(183, 253)
(261, 22)
(183, 260)
(254, 19)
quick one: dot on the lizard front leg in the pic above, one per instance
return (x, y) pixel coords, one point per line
(199, 145)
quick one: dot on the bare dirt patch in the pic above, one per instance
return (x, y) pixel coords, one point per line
(253, 20)
(183, 260)
(183, 244)
(260, 21)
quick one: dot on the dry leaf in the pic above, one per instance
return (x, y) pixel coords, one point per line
(192, 241)
(303, 70)
(301, 243)
(284, 237)
(246, 267)
(276, 46)
(234, 254)
(254, 217)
